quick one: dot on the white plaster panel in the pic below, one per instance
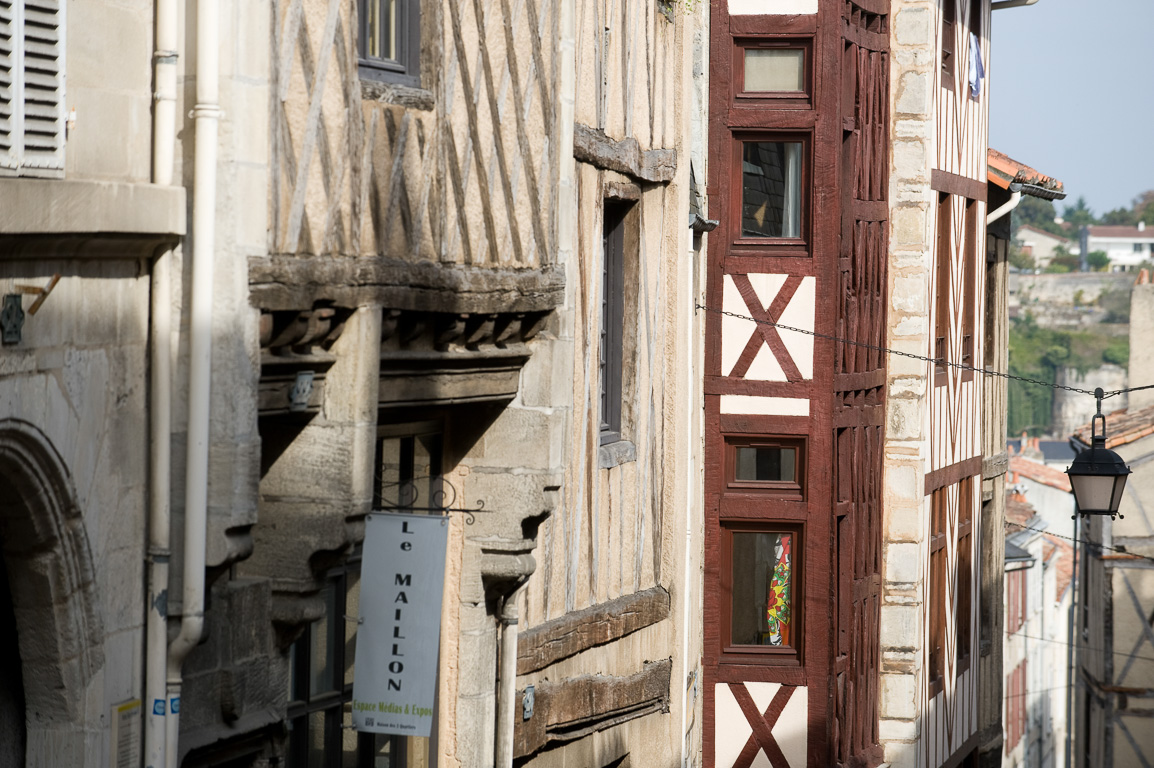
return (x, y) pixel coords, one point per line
(731, 730)
(753, 405)
(765, 366)
(770, 7)
(766, 286)
(791, 728)
(800, 314)
(735, 332)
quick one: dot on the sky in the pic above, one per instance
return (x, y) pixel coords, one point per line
(1072, 95)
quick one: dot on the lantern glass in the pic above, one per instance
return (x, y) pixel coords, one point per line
(1095, 493)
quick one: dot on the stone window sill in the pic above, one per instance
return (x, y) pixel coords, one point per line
(616, 454)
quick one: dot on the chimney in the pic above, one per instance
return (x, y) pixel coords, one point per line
(1141, 226)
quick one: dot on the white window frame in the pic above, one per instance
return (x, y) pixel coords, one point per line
(24, 89)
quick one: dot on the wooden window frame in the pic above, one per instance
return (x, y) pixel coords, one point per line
(969, 290)
(963, 621)
(943, 255)
(938, 564)
(791, 655)
(768, 246)
(787, 490)
(611, 346)
(406, 68)
(780, 99)
(949, 35)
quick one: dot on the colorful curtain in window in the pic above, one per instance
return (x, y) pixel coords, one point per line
(778, 593)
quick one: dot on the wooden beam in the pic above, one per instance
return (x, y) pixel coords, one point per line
(953, 184)
(596, 625)
(626, 156)
(577, 707)
(954, 473)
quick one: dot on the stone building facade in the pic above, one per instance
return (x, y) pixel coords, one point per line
(367, 255)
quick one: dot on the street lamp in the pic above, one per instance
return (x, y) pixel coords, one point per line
(1098, 475)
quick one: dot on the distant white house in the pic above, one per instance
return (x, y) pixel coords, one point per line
(1041, 244)
(1127, 247)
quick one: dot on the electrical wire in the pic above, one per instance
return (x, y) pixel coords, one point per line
(1087, 542)
(923, 358)
(1084, 648)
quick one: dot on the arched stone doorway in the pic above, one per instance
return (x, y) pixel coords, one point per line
(11, 681)
(49, 588)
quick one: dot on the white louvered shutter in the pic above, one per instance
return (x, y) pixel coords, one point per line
(7, 84)
(43, 86)
(31, 87)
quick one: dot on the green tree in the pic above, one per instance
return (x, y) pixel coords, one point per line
(1079, 214)
(1098, 261)
(1120, 217)
(1019, 259)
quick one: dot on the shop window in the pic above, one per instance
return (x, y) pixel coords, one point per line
(389, 43)
(762, 568)
(319, 717)
(769, 464)
(771, 189)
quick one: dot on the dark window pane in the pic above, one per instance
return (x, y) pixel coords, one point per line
(323, 642)
(771, 189)
(766, 464)
(316, 740)
(762, 607)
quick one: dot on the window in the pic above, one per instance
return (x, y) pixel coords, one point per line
(772, 68)
(762, 570)
(31, 88)
(937, 595)
(1139, 247)
(770, 464)
(942, 290)
(771, 184)
(949, 40)
(965, 571)
(969, 289)
(321, 691)
(409, 457)
(612, 319)
(389, 44)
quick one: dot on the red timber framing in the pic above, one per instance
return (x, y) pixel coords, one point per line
(807, 694)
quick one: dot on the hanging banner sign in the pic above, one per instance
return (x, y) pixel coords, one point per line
(398, 635)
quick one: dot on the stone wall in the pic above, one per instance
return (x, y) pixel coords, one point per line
(913, 40)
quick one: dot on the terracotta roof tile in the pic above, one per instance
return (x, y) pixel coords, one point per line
(1129, 233)
(1040, 473)
(1019, 511)
(1032, 228)
(1122, 427)
(1003, 171)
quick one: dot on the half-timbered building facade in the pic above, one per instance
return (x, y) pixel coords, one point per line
(799, 180)
(941, 656)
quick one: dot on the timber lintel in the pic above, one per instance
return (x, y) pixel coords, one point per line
(283, 282)
(574, 708)
(626, 156)
(596, 625)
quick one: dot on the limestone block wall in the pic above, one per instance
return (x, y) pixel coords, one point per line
(73, 402)
(914, 66)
